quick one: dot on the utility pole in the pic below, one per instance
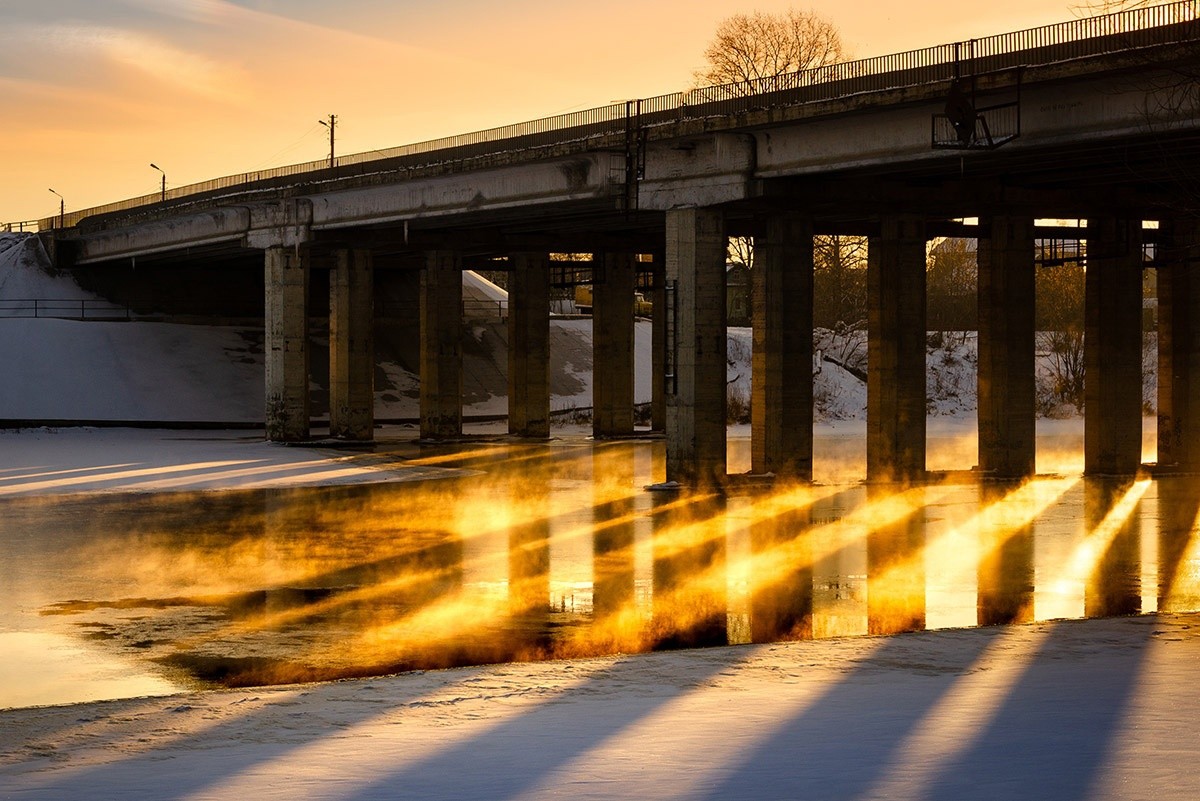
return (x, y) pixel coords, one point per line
(332, 126)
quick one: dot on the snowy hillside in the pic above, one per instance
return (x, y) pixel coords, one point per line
(160, 371)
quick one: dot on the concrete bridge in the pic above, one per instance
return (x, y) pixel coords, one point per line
(1092, 119)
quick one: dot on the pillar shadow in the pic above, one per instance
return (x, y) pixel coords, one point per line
(1054, 734)
(509, 759)
(781, 605)
(1005, 576)
(687, 613)
(1114, 586)
(896, 572)
(1178, 515)
(805, 756)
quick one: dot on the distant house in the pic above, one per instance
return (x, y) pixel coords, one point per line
(737, 294)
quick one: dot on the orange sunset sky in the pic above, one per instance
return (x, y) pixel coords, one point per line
(92, 91)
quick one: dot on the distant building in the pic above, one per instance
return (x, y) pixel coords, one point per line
(737, 294)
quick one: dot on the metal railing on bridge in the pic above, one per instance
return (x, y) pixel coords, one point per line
(64, 308)
(1092, 36)
(21, 227)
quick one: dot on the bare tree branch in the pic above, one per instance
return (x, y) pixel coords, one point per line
(750, 47)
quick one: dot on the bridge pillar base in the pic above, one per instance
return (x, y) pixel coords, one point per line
(1007, 410)
(781, 409)
(612, 345)
(441, 346)
(529, 345)
(696, 448)
(1179, 347)
(1112, 383)
(352, 346)
(286, 346)
(896, 351)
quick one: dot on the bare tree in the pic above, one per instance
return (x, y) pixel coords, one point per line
(951, 278)
(839, 281)
(750, 47)
(1090, 8)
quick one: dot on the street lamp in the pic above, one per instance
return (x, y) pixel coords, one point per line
(62, 208)
(332, 126)
(164, 181)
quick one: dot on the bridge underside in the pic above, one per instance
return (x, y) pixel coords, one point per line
(668, 217)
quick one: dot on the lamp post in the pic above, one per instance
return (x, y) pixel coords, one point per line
(164, 181)
(62, 208)
(331, 125)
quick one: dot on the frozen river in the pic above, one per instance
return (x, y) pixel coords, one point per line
(531, 552)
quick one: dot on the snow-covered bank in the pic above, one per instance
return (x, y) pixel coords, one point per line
(1055, 711)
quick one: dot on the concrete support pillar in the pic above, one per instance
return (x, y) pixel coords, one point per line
(1007, 411)
(529, 345)
(696, 244)
(658, 345)
(1179, 346)
(612, 344)
(1112, 382)
(781, 395)
(896, 350)
(286, 347)
(441, 345)
(352, 346)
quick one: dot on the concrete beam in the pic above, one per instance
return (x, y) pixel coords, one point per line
(441, 346)
(781, 408)
(704, 171)
(1179, 346)
(896, 350)
(1112, 344)
(1099, 108)
(286, 346)
(352, 346)
(1007, 411)
(612, 345)
(583, 177)
(696, 244)
(529, 345)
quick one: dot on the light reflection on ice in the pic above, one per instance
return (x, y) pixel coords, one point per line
(531, 552)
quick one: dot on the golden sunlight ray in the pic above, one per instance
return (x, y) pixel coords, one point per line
(121, 475)
(1088, 553)
(997, 522)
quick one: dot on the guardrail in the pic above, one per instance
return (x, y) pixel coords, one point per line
(30, 226)
(1110, 33)
(66, 309)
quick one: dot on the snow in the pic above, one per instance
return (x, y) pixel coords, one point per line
(25, 274)
(1058, 710)
(476, 286)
